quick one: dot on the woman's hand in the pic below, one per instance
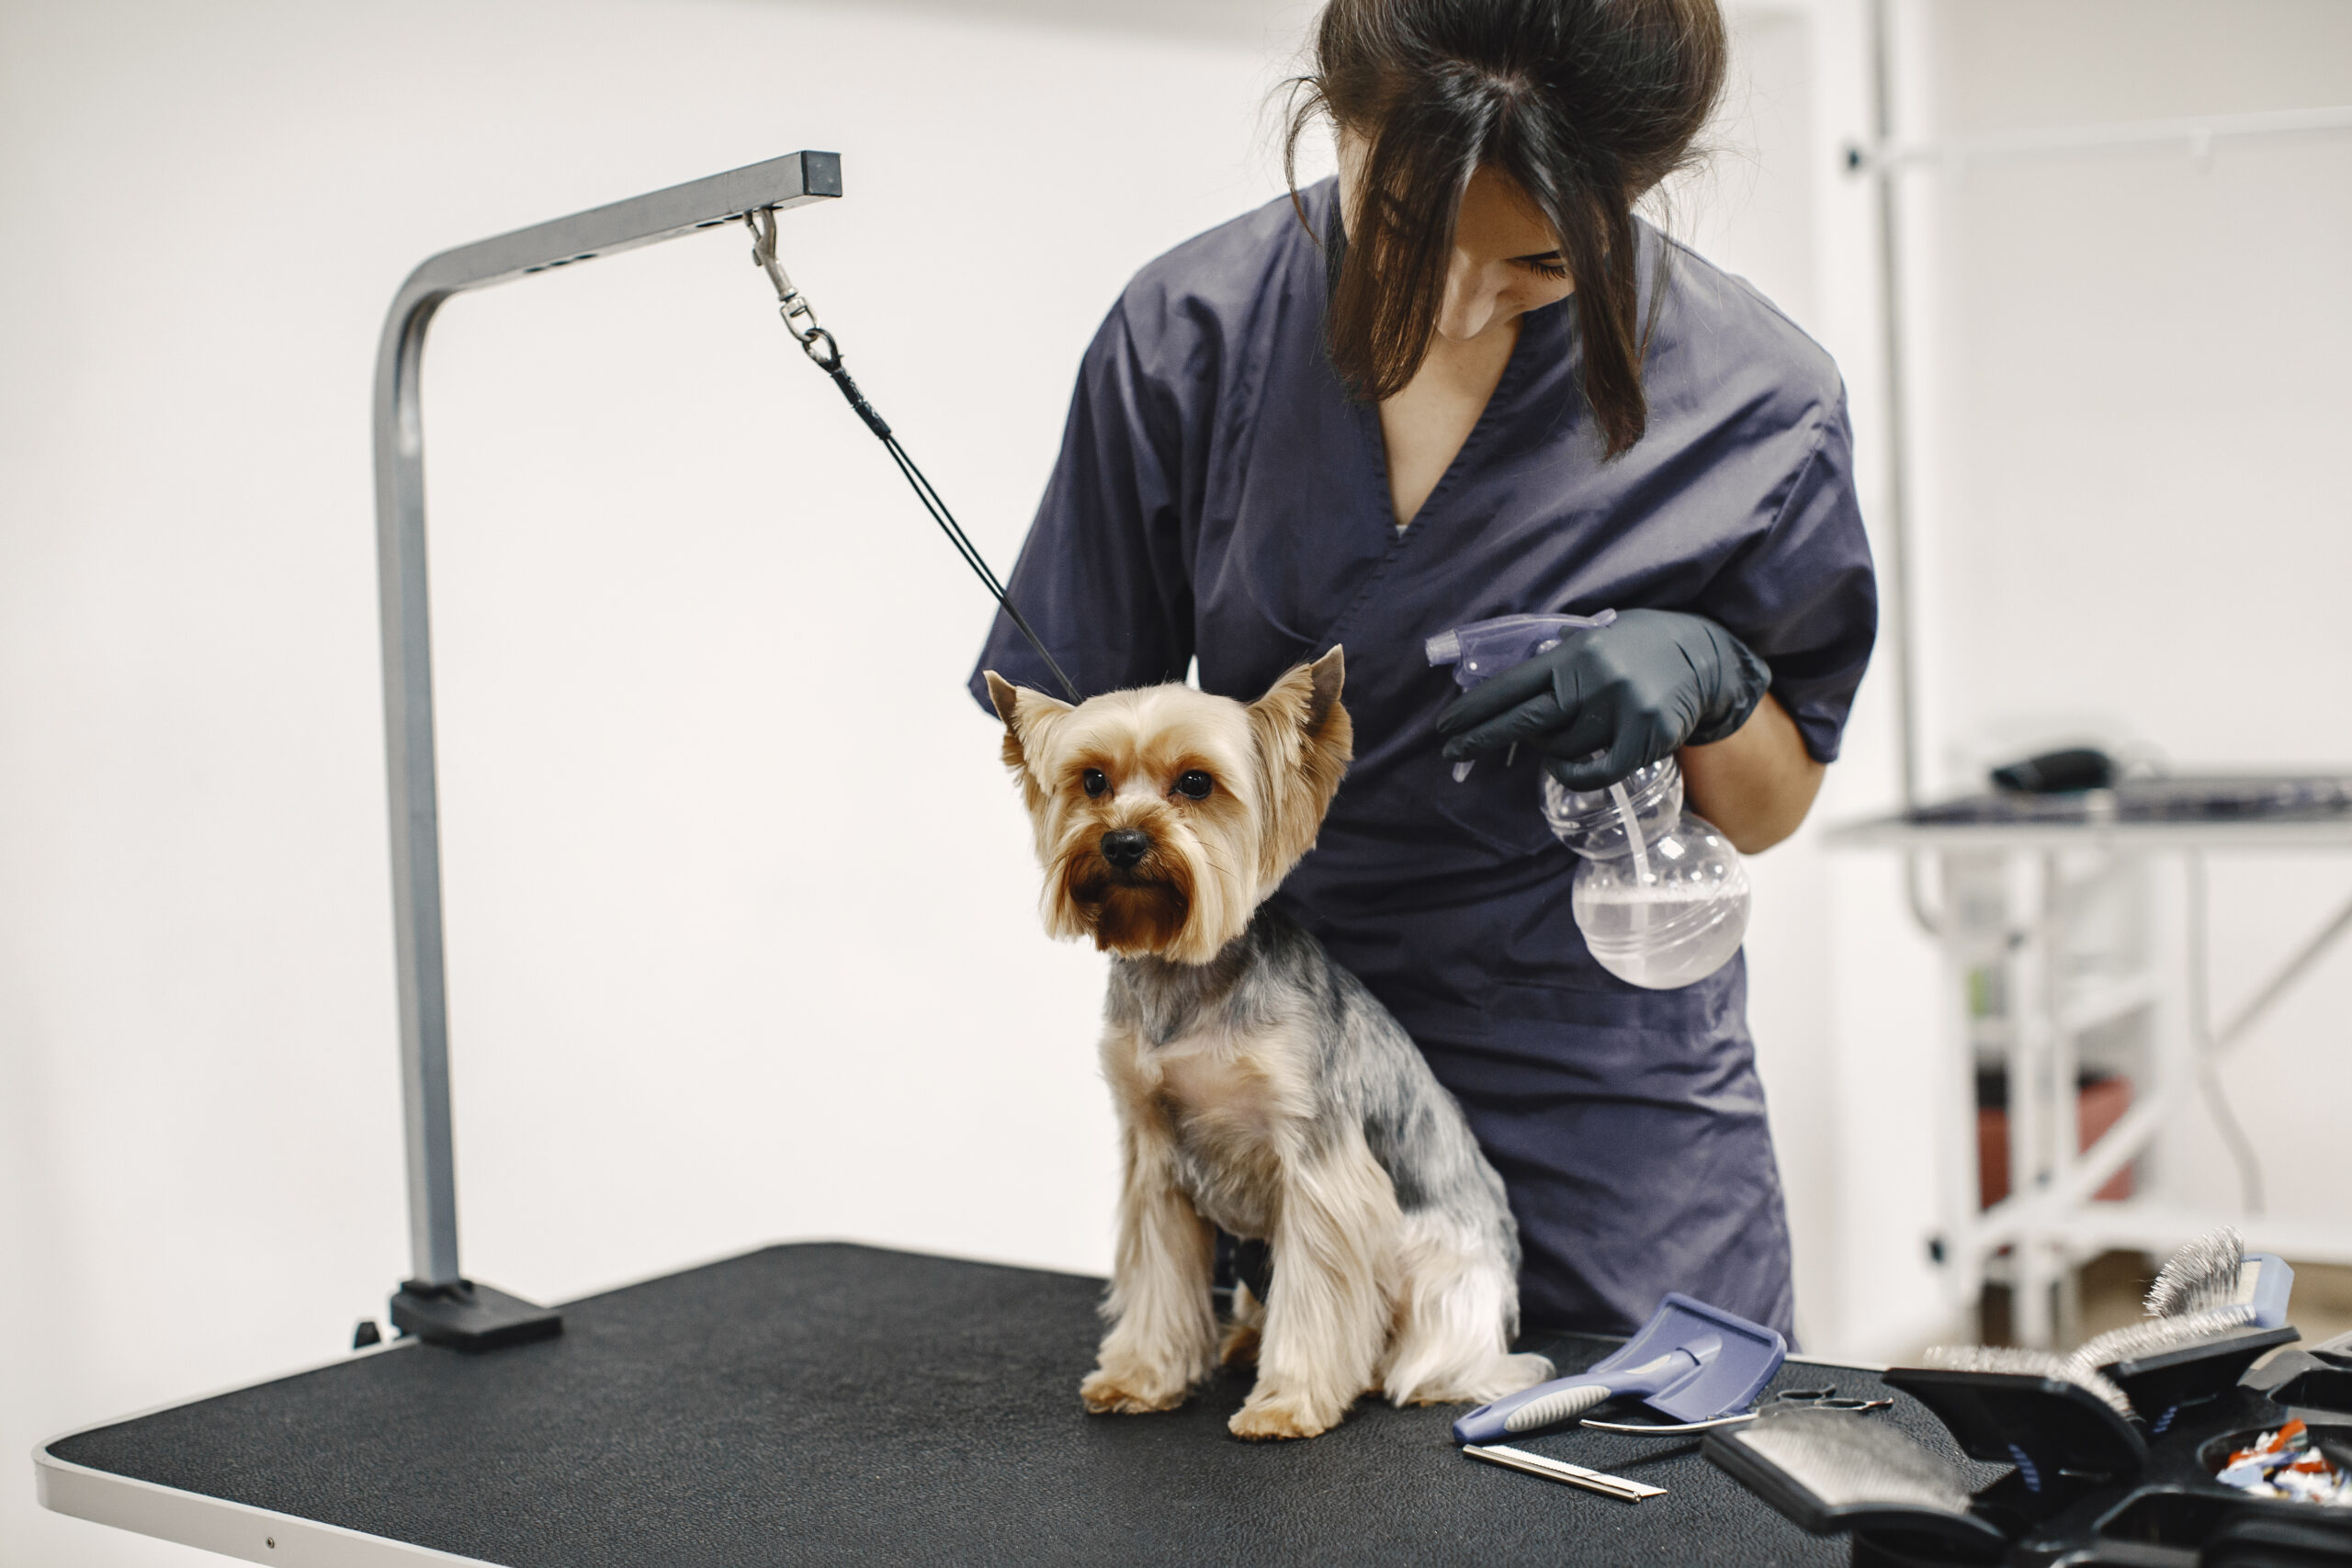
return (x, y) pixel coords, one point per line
(1615, 698)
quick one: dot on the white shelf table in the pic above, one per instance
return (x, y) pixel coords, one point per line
(2016, 896)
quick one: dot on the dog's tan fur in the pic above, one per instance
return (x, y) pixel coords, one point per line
(1218, 1124)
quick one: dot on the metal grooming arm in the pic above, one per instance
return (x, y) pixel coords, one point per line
(439, 1303)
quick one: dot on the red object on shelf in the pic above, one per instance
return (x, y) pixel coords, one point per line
(2099, 1105)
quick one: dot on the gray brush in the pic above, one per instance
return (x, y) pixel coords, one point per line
(2135, 1340)
(2201, 1275)
(2029, 1363)
(1847, 1462)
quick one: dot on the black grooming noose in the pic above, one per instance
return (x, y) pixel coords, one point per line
(800, 320)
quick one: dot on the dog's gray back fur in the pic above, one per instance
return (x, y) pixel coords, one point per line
(1368, 1073)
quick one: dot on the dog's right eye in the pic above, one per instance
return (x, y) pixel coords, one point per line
(1096, 781)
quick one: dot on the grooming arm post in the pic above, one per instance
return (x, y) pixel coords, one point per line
(438, 1303)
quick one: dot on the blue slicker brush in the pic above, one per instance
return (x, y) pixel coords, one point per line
(1691, 1360)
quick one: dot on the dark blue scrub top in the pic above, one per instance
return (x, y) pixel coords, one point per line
(1219, 496)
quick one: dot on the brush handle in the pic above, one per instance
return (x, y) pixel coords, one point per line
(1546, 1403)
(1572, 1395)
(2264, 1284)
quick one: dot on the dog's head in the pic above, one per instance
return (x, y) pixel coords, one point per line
(1164, 817)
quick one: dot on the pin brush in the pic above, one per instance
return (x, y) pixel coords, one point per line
(2135, 1340)
(2029, 1363)
(2164, 1363)
(2200, 1275)
(2216, 1270)
(1828, 1471)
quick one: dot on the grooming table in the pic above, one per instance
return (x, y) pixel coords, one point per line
(827, 1403)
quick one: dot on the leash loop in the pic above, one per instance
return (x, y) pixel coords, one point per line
(822, 351)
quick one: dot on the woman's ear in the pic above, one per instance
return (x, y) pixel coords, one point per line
(1304, 742)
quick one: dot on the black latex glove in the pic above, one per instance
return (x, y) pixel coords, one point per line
(1634, 690)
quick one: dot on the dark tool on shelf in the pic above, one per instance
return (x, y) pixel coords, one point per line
(2055, 773)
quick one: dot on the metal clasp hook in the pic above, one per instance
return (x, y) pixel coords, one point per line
(799, 316)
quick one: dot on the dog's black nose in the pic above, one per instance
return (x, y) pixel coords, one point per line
(1122, 846)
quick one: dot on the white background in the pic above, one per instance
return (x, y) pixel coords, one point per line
(742, 929)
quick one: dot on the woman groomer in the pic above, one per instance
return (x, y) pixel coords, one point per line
(1469, 384)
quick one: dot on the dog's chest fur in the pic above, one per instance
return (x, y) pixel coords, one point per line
(1193, 1057)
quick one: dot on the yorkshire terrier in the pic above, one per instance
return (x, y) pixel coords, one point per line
(1259, 1088)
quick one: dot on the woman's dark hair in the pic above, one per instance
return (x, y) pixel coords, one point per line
(1586, 104)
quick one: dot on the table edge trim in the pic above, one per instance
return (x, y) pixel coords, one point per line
(216, 1524)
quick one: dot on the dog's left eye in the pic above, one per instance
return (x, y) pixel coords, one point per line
(1096, 781)
(1194, 784)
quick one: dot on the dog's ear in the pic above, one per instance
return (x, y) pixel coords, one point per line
(1328, 674)
(1305, 743)
(1003, 694)
(1024, 712)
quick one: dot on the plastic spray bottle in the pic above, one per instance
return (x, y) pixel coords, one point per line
(1660, 894)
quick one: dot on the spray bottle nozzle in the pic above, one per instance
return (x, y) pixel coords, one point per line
(1484, 649)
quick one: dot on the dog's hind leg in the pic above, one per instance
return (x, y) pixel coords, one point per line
(1163, 1328)
(1327, 1314)
(1455, 1304)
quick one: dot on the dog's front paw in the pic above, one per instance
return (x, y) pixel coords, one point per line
(1513, 1373)
(1273, 1418)
(1501, 1376)
(1132, 1391)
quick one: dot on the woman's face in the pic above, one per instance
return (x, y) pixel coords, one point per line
(1505, 261)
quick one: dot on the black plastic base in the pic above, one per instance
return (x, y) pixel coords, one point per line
(468, 1316)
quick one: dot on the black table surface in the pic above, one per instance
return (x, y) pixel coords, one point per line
(830, 1403)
